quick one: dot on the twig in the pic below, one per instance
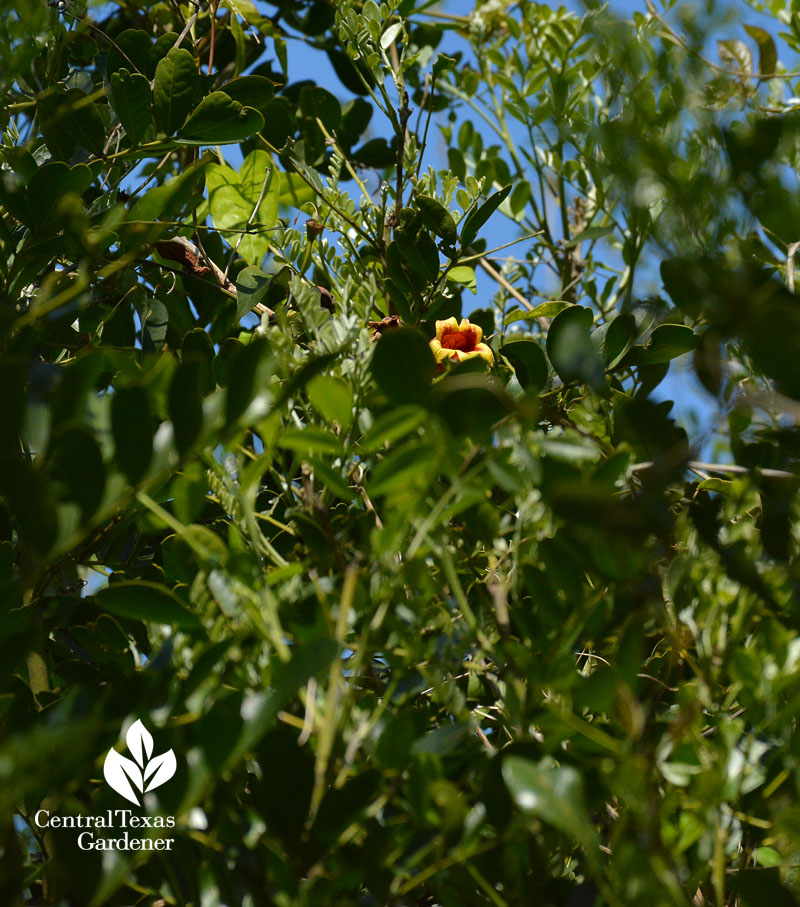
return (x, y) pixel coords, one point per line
(425, 97)
(190, 24)
(790, 253)
(214, 5)
(489, 254)
(435, 14)
(496, 275)
(543, 322)
(350, 169)
(206, 258)
(152, 176)
(308, 721)
(725, 467)
(86, 21)
(405, 114)
(225, 285)
(249, 222)
(345, 217)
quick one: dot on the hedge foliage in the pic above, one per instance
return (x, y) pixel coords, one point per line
(420, 628)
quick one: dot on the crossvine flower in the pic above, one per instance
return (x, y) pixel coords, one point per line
(459, 341)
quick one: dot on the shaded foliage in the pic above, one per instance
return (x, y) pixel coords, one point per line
(468, 630)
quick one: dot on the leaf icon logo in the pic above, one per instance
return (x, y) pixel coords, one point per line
(127, 776)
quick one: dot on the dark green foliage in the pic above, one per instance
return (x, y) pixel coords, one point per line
(422, 623)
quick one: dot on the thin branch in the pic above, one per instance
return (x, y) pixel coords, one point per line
(249, 221)
(214, 5)
(450, 17)
(86, 21)
(152, 176)
(346, 218)
(308, 721)
(725, 468)
(790, 253)
(489, 254)
(405, 114)
(190, 24)
(350, 169)
(497, 276)
(425, 97)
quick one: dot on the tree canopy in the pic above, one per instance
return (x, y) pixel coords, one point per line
(338, 451)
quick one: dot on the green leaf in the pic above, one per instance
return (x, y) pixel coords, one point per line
(333, 398)
(403, 365)
(442, 63)
(13, 387)
(174, 89)
(295, 191)
(471, 403)
(260, 710)
(198, 347)
(667, 342)
(311, 440)
(571, 351)
(543, 310)
(520, 196)
(549, 309)
(49, 186)
(465, 275)
(78, 467)
(251, 287)
(442, 740)
(736, 55)
(718, 486)
(219, 120)
(588, 234)
(474, 221)
(189, 493)
(686, 281)
(331, 480)
(166, 201)
(131, 49)
(279, 121)
(317, 103)
(356, 117)
(620, 337)
(67, 121)
(403, 291)
(768, 856)
(408, 467)
(417, 255)
(249, 375)
(553, 793)
(140, 600)
(437, 219)
(251, 91)
(772, 338)
(570, 451)
(528, 361)
(232, 200)
(757, 887)
(30, 500)
(390, 35)
(186, 405)
(131, 99)
(767, 54)
(301, 376)
(392, 426)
